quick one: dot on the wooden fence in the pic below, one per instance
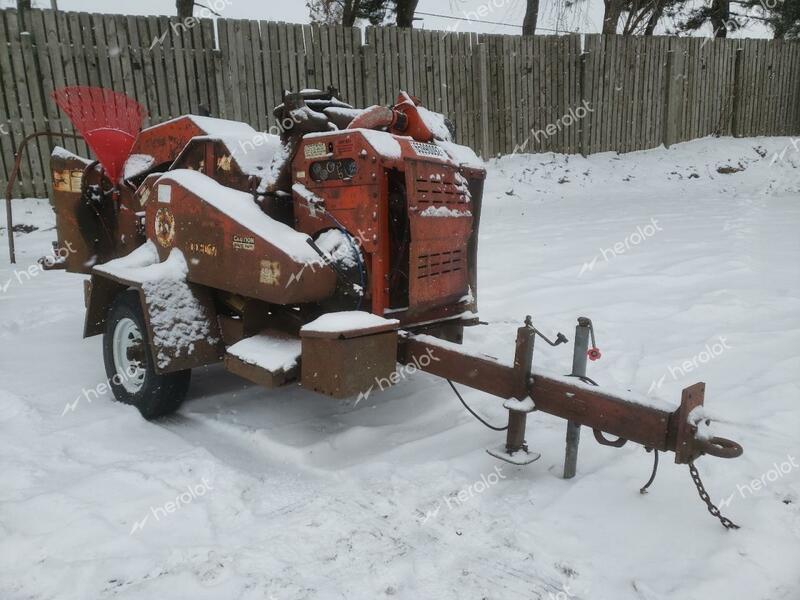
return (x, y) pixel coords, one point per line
(505, 93)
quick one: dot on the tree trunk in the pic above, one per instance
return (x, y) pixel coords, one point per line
(720, 17)
(613, 10)
(185, 8)
(23, 4)
(405, 12)
(350, 12)
(531, 17)
(655, 17)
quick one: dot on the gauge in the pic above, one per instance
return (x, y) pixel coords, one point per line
(349, 167)
(318, 171)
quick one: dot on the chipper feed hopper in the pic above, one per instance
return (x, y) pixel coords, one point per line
(326, 254)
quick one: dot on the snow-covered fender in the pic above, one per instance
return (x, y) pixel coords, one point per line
(176, 343)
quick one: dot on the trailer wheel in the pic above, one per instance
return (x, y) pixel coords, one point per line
(129, 362)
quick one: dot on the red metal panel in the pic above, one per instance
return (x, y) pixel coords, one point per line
(440, 215)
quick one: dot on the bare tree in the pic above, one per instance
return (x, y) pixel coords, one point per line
(531, 17)
(612, 14)
(347, 12)
(405, 12)
(720, 17)
(185, 8)
(23, 4)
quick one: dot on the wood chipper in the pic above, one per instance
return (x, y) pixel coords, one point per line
(326, 254)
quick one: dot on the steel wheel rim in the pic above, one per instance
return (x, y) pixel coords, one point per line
(128, 352)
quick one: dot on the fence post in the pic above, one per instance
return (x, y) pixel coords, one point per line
(668, 69)
(583, 124)
(483, 76)
(737, 89)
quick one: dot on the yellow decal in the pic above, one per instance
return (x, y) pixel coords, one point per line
(270, 272)
(68, 180)
(145, 196)
(241, 242)
(224, 163)
(203, 248)
(165, 227)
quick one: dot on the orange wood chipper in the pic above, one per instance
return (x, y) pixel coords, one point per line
(326, 253)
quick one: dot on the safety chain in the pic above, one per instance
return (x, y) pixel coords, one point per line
(727, 523)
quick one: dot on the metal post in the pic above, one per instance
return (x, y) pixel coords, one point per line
(523, 364)
(579, 354)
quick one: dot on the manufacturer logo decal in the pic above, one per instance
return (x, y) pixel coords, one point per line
(270, 272)
(165, 227)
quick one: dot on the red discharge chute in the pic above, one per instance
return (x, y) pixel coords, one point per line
(107, 120)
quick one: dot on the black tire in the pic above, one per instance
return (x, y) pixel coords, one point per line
(155, 395)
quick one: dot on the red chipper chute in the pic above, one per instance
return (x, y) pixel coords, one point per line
(107, 120)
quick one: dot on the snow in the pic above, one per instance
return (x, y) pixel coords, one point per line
(137, 164)
(382, 142)
(435, 123)
(254, 153)
(216, 128)
(444, 211)
(270, 352)
(240, 207)
(143, 265)
(463, 156)
(344, 113)
(339, 248)
(307, 195)
(177, 317)
(312, 498)
(348, 320)
(63, 153)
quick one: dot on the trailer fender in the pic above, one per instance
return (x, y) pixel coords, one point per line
(185, 338)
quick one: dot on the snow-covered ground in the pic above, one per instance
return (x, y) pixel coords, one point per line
(251, 494)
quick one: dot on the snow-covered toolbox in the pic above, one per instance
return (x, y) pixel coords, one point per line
(348, 353)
